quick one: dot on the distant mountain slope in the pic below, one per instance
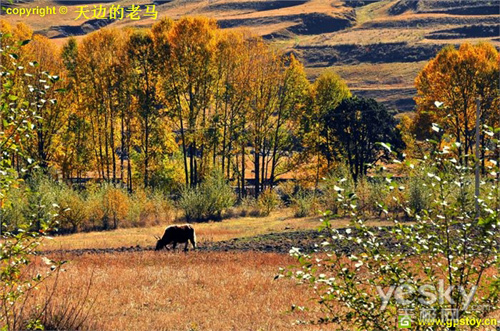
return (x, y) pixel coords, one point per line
(377, 46)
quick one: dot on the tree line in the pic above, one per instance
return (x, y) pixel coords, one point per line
(163, 106)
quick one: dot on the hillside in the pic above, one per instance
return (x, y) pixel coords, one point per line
(378, 47)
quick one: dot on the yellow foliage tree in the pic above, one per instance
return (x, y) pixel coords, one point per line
(447, 90)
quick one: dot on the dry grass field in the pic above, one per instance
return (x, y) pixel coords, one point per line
(176, 291)
(200, 290)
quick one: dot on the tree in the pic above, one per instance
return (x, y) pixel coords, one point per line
(144, 81)
(102, 75)
(327, 92)
(265, 67)
(76, 150)
(188, 88)
(352, 131)
(455, 78)
(31, 83)
(52, 113)
(18, 246)
(293, 92)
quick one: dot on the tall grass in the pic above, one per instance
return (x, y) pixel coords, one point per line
(54, 304)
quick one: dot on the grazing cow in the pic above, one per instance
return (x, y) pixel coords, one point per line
(177, 234)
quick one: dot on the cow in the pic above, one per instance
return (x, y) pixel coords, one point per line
(177, 234)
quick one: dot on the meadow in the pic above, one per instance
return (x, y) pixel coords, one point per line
(177, 291)
(198, 290)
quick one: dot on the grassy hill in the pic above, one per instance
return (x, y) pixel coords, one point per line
(378, 47)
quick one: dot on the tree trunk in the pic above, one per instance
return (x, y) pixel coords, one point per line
(243, 169)
(122, 142)
(106, 145)
(146, 151)
(256, 170)
(113, 155)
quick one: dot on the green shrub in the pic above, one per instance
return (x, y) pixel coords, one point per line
(334, 187)
(72, 210)
(41, 199)
(14, 209)
(418, 194)
(208, 200)
(305, 204)
(267, 202)
(135, 211)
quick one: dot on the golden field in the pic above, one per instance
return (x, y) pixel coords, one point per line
(176, 291)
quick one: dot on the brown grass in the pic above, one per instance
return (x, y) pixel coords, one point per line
(194, 291)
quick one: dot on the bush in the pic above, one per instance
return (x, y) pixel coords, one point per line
(107, 207)
(208, 200)
(305, 204)
(14, 209)
(287, 191)
(157, 210)
(42, 199)
(364, 194)
(72, 210)
(267, 202)
(334, 187)
(419, 195)
(99, 207)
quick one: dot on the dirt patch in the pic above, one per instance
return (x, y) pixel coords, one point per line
(421, 22)
(451, 7)
(358, 3)
(400, 99)
(403, 6)
(89, 26)
(282, 242)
